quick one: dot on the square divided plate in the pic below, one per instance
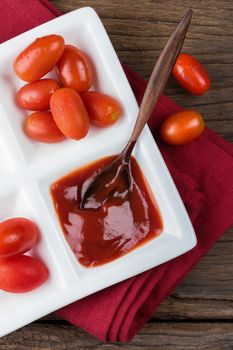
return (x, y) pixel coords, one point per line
(28, 168)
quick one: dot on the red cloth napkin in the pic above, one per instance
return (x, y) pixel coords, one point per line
(203, 173)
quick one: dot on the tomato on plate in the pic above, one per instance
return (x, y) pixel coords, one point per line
(17, 236)
(190, 73)
(39, 58)
(74, 69)
(36, 96)
(103, 110)
(21, 274)
(69, 113)
(182, 127)
(40, 126)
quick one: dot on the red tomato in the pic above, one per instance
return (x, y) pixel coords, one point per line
(17, 236)
(103, 110)
(40, 126)
(189, 72)
(74, 69)
(36, 96)
(182, 127)
(39, 58)
(21, 274)
(69, 113)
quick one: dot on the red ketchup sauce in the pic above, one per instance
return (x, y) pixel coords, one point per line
(120, 225)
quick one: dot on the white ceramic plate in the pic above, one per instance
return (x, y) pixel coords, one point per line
(28, 168)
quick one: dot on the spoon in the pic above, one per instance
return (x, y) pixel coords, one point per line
(114, 181)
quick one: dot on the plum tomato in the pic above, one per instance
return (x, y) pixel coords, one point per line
(69, 113)
(103, 110)
(40, 126)
(74, 69)
(190, 73)
(39, 58)
(182, 127)
(36, 96)
(20, 274)
(17, 236)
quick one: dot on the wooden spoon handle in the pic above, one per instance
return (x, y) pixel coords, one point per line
(159, 78)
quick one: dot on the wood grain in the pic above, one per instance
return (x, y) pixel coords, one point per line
(199, 314)
(156, 335)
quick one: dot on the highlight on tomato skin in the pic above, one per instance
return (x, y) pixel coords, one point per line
(21, 274)
(17, 236)
(191, 74)
(182, 127)
(39, 57)
(40, 126)
(74, 69)
(103, 110)
(36, 96)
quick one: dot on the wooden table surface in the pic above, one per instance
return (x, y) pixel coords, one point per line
(199, 314)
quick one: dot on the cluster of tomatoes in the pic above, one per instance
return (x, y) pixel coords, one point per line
(66, 111)
(185, 126)
(20, 273)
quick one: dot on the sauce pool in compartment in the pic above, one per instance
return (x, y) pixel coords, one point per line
(99, 236)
